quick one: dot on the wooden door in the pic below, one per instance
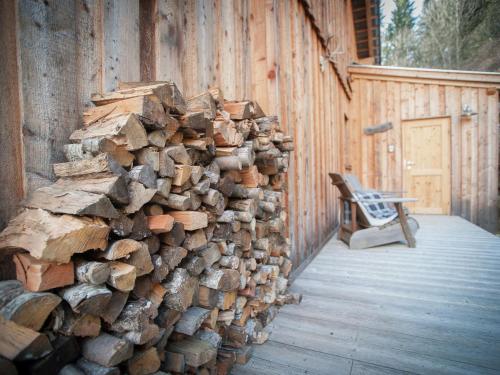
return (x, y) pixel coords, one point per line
(426, 164)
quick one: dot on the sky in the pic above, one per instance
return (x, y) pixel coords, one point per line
(388, 6)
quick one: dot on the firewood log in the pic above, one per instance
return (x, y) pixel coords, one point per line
(139, 196)
(172, 255)
(91, 272)
(239, 110)
(210, 254)
(122, 276)
(39, 275)
(144, 362)
(92, 368)
(203, 102)
(175, 237)
(166, 165)
(178, 202)
(195, 240)
(166, 91)
(144, 174)
(182, 174)
(21, 343)
(191, 320)
(120, 249)
(140, 229)
(163, 185)
(114, 306)
(86, 298)
(149, 156)
(54, 238)
(114, 187)
(107, 350)
(196, 352)
(194, 265)
(141, 260)
(174, 362)
(180, 290)
(124, 130)
(191, 220)
(141, 337)
(81, 325)
(160, 223)
(102, 163)
(223, 279)
(30, 310)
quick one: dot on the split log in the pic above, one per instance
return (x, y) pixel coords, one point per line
(139, 196)
(228, 163)
(141, 260)
(166, 165)
(86, 298)
(202, 187)
(122, 276)
(158, 138)
(195, 120)
(178, 154)
(57, 200)
(224, 280)
(149, 156)
(203, 103)
(153, 209)
(176, 236)
(161, 268)
(21, 343)
(172, 255)
(114, 306)
(180, 290)
(191, 320)
(144, 362)
(102, 163)
(140, 228)
(226, 300)
(166, 91)
(167, 317)
(144, 174)
(196, 174)
(196, 352)
(239, 110)
(39, 275)
(146, 334)
(120, 249)
(81, 325)
(65, 351)
(174, 362)
(147, 108)
(191, 220)
(91, 272)
(182, 174)
(178, 202)
(195, 265)
(211, 337)
(92, 368)
(195, 240)
(30, 310)
(163, 185)
(250, 176)
(107, 350)
(122, 226)
(207, 297)
(124, 130)
(9, 289)
(160, 223)
(135, 316)
(54, 238)
(211, 254)
(114, 187)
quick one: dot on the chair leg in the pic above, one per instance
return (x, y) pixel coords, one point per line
(404, 226)
(354, 223)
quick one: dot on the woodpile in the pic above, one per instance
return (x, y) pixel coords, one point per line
(161, 247)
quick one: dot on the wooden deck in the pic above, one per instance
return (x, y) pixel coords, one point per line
(392, 310)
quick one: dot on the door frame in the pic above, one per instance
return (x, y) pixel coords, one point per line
(448, 140)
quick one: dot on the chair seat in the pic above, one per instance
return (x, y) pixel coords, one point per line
(379, 210)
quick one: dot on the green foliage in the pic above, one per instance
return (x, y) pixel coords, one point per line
(451, 34)
(399, 41)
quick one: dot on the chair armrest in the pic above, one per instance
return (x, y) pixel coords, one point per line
(389, 200)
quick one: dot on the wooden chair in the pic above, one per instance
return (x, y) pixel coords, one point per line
(370, 218)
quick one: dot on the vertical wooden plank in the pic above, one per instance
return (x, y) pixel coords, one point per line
(170, 42)
(433, 100)
(482, 189)
(453, 108)
(466, 157)
(492, 161)
(258, 49)
(147, 39)
(271, 55)
(227, 62)
(205, 51)
(48, 61)
(11, 148)
(474, 157)
(89, 53)
(121, 58)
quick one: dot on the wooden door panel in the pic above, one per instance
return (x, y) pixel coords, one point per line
(426, 164)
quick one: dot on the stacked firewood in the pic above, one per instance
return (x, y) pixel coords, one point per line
(162, 245)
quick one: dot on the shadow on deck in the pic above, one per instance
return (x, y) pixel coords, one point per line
(391, 310)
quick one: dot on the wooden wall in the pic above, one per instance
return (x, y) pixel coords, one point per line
(270, 50)
(382, 94)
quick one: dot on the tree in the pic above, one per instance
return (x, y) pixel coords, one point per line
(399, 41)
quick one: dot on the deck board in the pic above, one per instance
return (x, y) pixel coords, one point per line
(394, 310)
